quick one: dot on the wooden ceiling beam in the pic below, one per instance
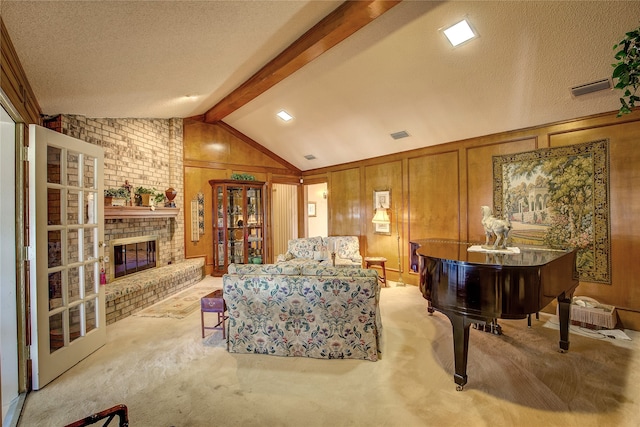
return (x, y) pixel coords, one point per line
(348, 18)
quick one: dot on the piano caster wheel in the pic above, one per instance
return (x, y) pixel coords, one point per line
(459, 387)
(561, 350)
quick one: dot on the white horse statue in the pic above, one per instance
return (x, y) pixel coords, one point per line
(494, 226)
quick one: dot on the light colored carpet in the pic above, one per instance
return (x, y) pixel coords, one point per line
(181, 304)
(168, 376)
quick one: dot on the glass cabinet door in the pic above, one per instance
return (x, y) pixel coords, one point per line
(235, 225)
(238, 224)
(219, 228)
(254, 225)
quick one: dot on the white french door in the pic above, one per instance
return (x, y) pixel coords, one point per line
(66, 216)
(9, 381)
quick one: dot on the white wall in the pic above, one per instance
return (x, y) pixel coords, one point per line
(318, 225)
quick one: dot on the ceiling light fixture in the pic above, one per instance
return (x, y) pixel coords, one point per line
(310, 157)
(284, 115)
(459, 33)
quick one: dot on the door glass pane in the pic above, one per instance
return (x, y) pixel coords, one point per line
(236, 223)
(89, 174)
(90, 279)
(55, 255)
(75, 323)
(53, 165)
(255, 244)
(91, 207)
(91, 314)
(72, 169)
(90, 247)
(220, 205)
(56, 333)
(73, 246)
(54, 206)
(73, 280)
(55, 290)
(73, 198)
(254, 207)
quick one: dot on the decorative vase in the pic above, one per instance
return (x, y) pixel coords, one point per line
(171, 194)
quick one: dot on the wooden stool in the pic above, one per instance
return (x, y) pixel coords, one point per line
(377, 260)
(213, 303)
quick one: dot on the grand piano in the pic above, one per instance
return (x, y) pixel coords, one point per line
(480, 287)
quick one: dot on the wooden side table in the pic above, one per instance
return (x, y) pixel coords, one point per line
(377, 260)
(213, 303)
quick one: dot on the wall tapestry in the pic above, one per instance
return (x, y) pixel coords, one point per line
(559, 197)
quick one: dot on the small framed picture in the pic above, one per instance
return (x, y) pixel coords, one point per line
(381, 199)
(311, 209)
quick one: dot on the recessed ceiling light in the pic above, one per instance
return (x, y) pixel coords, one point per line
(284, 115)
(459, 33)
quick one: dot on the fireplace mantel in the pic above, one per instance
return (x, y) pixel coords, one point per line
(117, 212)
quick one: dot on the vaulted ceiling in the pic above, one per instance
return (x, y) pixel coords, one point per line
(163, 59)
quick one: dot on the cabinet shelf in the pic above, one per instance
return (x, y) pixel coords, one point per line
(120, 212)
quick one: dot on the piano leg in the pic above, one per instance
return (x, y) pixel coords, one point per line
(564, 311)
(460, 326)
(430, 308)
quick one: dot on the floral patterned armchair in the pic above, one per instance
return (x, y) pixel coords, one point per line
(317, 250)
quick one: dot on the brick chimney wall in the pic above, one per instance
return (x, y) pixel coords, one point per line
(145, 152)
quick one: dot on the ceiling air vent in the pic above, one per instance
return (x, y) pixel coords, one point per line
(591, 87)
(400, 135)
(310, 157)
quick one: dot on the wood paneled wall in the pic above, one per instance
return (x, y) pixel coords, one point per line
(439, 190)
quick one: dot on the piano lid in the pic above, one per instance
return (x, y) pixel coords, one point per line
(455, 251)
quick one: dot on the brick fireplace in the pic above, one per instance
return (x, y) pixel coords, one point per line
(146, 153)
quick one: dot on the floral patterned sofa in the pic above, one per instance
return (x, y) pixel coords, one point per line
(307, 311)
(314, 251)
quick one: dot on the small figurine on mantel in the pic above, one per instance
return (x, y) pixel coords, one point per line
(495, 226)
(129, 188)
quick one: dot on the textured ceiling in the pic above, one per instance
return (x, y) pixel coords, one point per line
(138, 59)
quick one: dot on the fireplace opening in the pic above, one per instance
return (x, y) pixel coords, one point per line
(133, 255)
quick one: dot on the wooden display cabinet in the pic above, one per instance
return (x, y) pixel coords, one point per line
(239, 233)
